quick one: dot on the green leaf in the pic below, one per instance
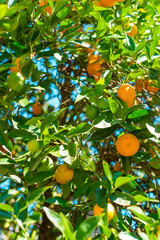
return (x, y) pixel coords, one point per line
(60, 4)
(140, 198)
(122, 198)
(6, 161)
(55, 218)
(138, 113)
(101, 134)
(107, 171)
(72, 149)
(58, 201)
(5, 216)
(4, 140)
(21, 134)
(87, 226)
(154, 43)
(141, 215)
(131, 42)
(27, 68)
(38, 157)
(5, 207)
(68, 228)
(51, 118)
(3, 9)
(120, 181)
(101, 27)
(79, 129)
(113, 105)
(23, 102)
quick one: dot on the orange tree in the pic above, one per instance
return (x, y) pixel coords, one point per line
(62, 64)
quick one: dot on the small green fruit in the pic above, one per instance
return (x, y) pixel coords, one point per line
(92, 112)
(102, 103)
(15, 81)
(33, 146)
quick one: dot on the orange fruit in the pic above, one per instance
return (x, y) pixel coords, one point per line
(107, 3)
(93, 68)
(93, 59)
(139, 85)
(110, 210)
(48, 8)
(37, 109)
(127, 145)
(98, 4)
(126, 93)
(130, 104)
(97, 76)
(33, 146)
(16, 68)
(133, 31)
(64, 174)
(149, 88)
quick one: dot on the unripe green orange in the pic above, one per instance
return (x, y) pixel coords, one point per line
(33, 146)
(92, 112)
(102, 103)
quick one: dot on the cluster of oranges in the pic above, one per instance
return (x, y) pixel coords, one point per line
(146, 84)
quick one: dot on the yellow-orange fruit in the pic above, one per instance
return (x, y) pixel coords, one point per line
(133, 31)
(110, 210)
(48, 8)
(16, 68)
(93, 68)
(93, 59)
(149, 88)
(127, 145)
(64, 174)
(37, 109)
(130, 104)
(139, 85)
(107, 3)
(126, 93)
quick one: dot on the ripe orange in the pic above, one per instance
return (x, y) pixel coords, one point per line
(98, 4)
(110, 210)
(139, 85)
(33, 146)
(93, 59)
(37, 109)
(127, 145)
(48, 8)
(16, 68)
(149, 88)
(93, 68)
(107, 3)
(126, 93)
(97, 76)
(130, 104)
(64, 174)
(133, 31)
